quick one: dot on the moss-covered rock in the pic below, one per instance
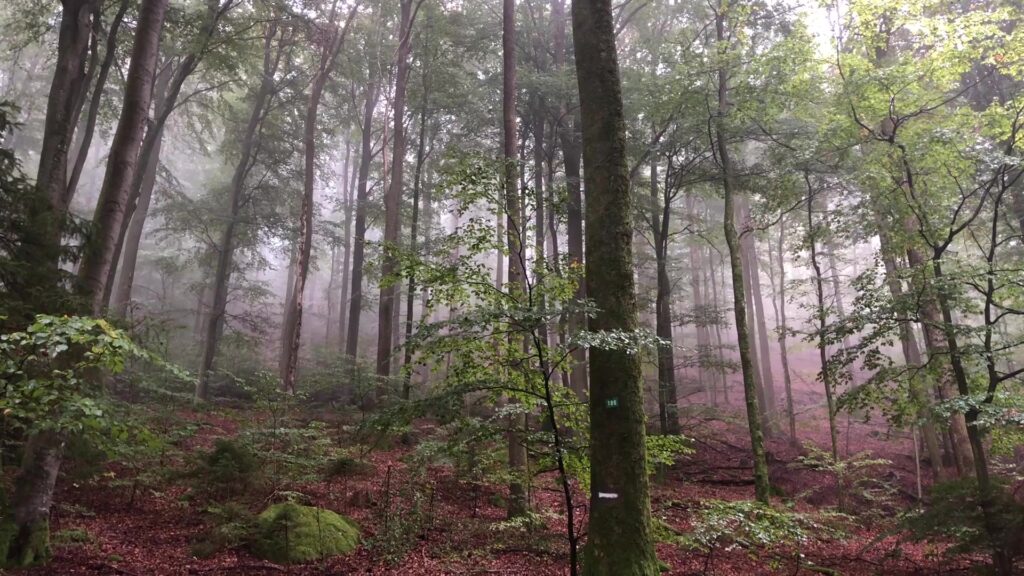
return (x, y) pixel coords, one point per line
(289, 533)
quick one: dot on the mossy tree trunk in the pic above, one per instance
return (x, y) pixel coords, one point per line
(619, 534)
(32, 498)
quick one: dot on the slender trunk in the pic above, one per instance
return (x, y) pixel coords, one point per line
(359, 239)
(821, 315)
(569, 139)
(417, 180)
(912, 357)
(123, 159)
(762, 489)
(718, 325)
(700, 326)
(783, 329)
(619, 540)
(517, 503)
(133, 236)
(349, 175)
(755, 359)
(293, 313)
(392, 200)
(668, 406)
(767, 375)
(89, 129)
(213, 323)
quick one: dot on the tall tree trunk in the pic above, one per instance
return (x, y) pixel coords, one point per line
(517, 503)
(359, 239)
(96, 99)
(213, 322)
(123, 159)
(123, 294)
(335, 38)
(781, 327)
(64, 100)
(762, 489)
(393, 198)
(755, 359)
(668, 405)
(349, 175)
(821, 315)
(619, 541)
(569, 138)
(912, 356)
(938, 348)
(767, 375)
(699, 323)
(41, 249)
(417, 180)
(718, 325)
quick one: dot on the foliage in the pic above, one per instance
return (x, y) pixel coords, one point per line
(230, 525)
(955, 515)
(751, 526)
(53, 379)
(859, 480)
(229, 466)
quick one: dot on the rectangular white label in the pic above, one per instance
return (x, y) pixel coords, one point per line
(608, 495)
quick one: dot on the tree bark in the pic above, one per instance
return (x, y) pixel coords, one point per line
(123, 159)
(393, 198)
(133, 236)
(349, 174)
(359, 239)
(668, 405)
(89, 129)
(213, 322)
(782, 328)
(762, 488)
(517, 504)
(335, 38)
(32, 498)
(619, 540)
(767, 375)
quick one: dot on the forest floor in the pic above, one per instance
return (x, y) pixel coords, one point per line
(130, 526)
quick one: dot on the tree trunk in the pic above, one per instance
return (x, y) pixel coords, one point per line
(821, 315)
(213, 323)
(569, 139)
(619, 541)
(911, 355)
(123, 159)
(762, 489)
(718, 326)
(783, 329)
(359, 239)
(767, 376)
(64, 101)
(517, 504)
(32, 498)
(700, 326)
(335, 38)
(89, 129)
(41, 249)
(937, 347)
(133, 237)
(350, 174)
(393, 198)
(668, 405)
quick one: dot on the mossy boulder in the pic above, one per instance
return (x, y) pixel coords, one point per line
(289, 533)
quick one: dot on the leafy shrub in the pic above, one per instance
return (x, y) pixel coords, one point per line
(955, 515)
(751, 526)
(72, 537)
(859, 479)
(231, 526)
(228, 466)
(345, 466)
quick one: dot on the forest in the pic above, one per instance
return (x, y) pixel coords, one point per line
(545, 287)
